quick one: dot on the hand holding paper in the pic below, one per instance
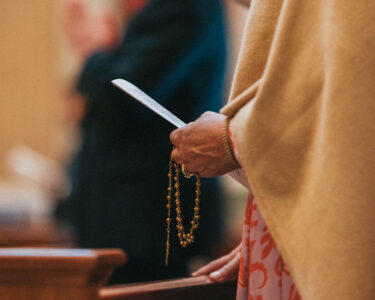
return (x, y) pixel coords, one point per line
(201, 148)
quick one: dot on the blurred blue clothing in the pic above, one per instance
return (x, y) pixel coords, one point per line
(174, 50)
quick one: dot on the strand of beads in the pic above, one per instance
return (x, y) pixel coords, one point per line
(185, 238)
(169, 198)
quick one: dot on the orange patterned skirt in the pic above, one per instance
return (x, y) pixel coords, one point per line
(262, 275)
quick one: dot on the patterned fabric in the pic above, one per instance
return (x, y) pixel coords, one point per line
(263, 274)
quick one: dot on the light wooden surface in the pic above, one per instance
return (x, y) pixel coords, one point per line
(55, 274)
(194, 288)
(79, 274)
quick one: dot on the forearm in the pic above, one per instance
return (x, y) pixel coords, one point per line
(244, 2)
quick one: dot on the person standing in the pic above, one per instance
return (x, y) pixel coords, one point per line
(176, 52)
(299, 122)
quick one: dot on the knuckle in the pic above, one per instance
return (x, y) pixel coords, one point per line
(173, 136)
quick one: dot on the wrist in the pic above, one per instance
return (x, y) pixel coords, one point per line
(227, 143)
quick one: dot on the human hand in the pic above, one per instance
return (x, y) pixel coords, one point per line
(222, 269)
(87, 32)
(199, 146)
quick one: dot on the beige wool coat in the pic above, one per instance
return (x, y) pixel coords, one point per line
(303, 108)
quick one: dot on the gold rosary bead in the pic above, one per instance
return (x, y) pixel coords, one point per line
(185, 238)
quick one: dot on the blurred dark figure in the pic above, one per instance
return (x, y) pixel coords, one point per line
(175, 51)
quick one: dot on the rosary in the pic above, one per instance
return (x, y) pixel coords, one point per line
(185, 238)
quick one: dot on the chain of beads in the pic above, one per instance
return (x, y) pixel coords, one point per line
(185, 238)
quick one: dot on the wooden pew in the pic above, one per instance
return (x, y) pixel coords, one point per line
(194, 288)
(68, 274)
(55, 274)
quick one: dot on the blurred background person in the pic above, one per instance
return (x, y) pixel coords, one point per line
(176, 52)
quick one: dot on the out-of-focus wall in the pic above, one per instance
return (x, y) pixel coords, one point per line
(35, 67)
(28, 82)
(236, 13)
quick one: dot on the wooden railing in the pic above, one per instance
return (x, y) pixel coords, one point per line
(68, 274)
(195, 288)
(55, 274)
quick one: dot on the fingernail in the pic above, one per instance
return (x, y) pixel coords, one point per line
(194, 274)
(215, 275)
